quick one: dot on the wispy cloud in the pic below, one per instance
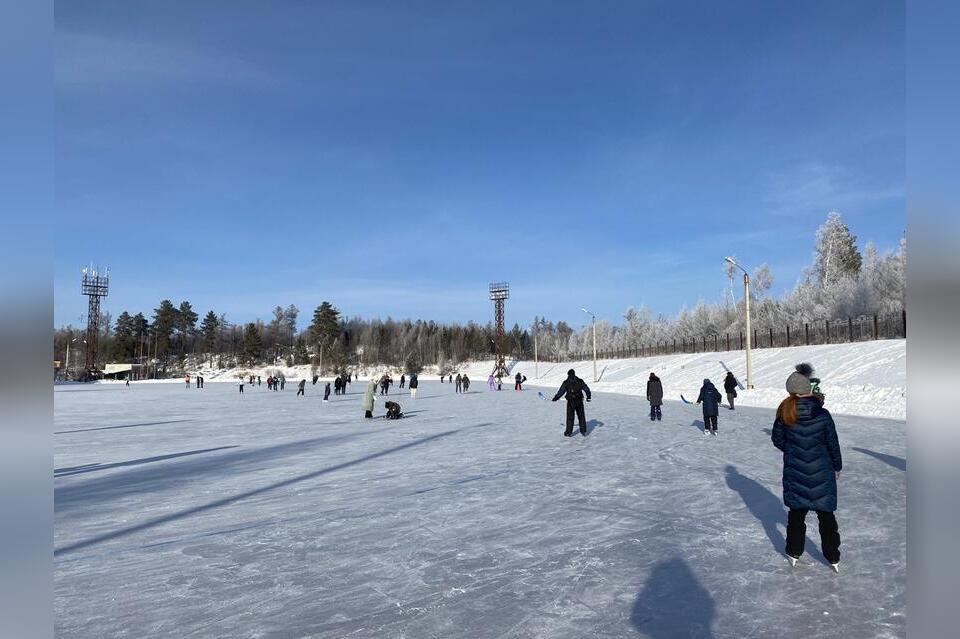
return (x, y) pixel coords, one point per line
(815, 188)
(97, 61)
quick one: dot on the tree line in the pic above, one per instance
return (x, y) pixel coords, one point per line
(841, 282)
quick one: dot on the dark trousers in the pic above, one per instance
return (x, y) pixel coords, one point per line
(459, 387)
(709, 422)
(241, 389)
(576, 408)
(655, 412)
(829, 534)
(730, 398)
(300, 392)
(368, 414)
(326, 395)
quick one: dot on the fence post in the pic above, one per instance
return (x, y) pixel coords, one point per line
(741, 340)
(806, 331)
(849, 329)
(788, 335)
(716, 342)
(704, 343)
(755, 340)
(827, 322)
(771, 337)
(876, 331)
(728, 341)
(674, 345)
(903, 314)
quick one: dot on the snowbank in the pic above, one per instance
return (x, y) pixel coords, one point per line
(864, 378)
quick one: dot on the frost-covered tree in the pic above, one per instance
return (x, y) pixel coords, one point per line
(837, 256)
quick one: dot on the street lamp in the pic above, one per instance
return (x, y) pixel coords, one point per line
(593, 322)
(746, 308)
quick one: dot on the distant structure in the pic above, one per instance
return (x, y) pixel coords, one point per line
(499, 292)
(94, 285)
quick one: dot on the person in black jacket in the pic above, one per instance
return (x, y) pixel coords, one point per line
(710, 398)
(393, 410)
(414, 382)
(574, 388)
(326, 392)
(655, 396)
(459, 383)
(518, 382)
(730, 386)
(804, 430)
(403, 380)
(300, 388)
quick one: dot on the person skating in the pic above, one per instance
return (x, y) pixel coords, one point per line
(337, 385)
(403, 380)
(393, 410)
(240, 384)
(491, 382)
(301, 388)
(730, 387)
(574, 388)
(450, 378)
(128, 382)
(414, 382)
(326, 392)
(259, 381)
(806, 434)
(283, 382)
(459, 388)
(518, 382)
(710, 398)
(655, 396)
(269, 382)
(465, 383)
(369, 396)
(187, 379)
(315, 379)
(499, 383)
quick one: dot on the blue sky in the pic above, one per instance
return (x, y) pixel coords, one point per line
(394, 160)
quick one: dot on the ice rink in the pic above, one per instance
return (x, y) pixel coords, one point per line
(204, 513)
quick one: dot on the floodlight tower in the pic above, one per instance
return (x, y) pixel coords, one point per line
(499, 292)
(95, 284)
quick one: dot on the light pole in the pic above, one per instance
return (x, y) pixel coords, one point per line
(593, 322)
(746, 308)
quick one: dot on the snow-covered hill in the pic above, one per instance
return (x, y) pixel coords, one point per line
(864, 378)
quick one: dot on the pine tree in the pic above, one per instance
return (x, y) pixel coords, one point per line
(209, 331)
(837, 256)
(326, 324)
(124, 337)
(252, 344)
(164, 321)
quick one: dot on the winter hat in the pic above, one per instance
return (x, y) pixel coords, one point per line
(571, 373)
(799, 381)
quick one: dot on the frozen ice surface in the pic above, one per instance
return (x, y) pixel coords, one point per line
(203, 513)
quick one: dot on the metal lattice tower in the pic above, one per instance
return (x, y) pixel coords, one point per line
(499, 292)
(94, 285)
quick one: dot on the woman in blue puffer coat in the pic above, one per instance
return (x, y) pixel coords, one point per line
(805, 432)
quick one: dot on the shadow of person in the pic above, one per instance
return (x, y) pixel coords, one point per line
(897, 462)
(767, 508)
(673, 603)
(698, 424)
(591, 424)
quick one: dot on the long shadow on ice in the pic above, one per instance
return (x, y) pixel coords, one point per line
(698, 424)
(897, 462)
(90, 468)
(673, 603)
(219, 503)
(139, 481)
(86, 430)
(767, 508)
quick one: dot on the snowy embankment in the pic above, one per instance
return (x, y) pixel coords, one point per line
(864, 378)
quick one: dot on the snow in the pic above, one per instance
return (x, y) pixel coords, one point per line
(195, 513)
(862, 378)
